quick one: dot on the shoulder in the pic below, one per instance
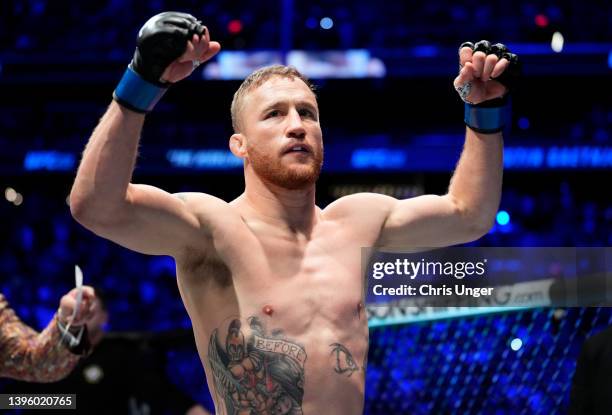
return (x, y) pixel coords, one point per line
(358, 204)
(218, 221)
(208, 208)
(197, 198)
(362, 214)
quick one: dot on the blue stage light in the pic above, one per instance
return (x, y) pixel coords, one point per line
(516, 344)
(503, 218)
(326, 23)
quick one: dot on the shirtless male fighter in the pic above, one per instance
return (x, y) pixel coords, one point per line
(273, 283)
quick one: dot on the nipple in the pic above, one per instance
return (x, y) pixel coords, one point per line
(359, 308)
(267, 310)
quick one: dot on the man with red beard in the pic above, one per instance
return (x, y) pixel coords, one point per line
(271, 282)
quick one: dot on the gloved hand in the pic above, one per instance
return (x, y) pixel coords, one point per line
(487, 74)
(170, 46)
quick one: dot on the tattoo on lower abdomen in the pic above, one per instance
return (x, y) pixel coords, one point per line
(344, 363)
(259, 373)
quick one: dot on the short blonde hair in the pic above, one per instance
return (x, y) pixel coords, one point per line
(255, 80)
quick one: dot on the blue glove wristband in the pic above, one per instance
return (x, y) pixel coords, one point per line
(137, 94)
(485, 120)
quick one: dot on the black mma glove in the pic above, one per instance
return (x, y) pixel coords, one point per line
(161, 41)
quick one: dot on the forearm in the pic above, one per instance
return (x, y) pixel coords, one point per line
(30, 356)
(102, 181)
(476, 184)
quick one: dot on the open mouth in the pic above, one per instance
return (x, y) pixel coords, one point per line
(299, 148)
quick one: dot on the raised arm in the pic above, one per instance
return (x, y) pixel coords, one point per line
(462, 215)
(467, 211)
(142, 218)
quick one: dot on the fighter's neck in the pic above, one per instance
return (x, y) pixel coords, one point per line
(294, 209)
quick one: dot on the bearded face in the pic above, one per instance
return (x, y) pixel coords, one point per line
(284, 144)
(290, 170)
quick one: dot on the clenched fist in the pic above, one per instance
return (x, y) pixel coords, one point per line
(487, 72)
(87, 309)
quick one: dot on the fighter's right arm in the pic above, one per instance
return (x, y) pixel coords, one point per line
(142, 218)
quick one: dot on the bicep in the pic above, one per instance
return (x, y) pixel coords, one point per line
(153, 222)
(427, 221)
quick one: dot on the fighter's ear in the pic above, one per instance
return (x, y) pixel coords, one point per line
(238, 145)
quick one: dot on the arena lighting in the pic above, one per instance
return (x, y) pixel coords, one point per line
(523, 123)
(541, 20)
(503, 218)
(570, 157)
(326, 23)
(18, 199)
(49, 160)
(215, 159)
(234, 26)
(610, 59)
(379, 158)
(557, 41)
(559, 314)
(10, 194)
(426, 51)
(516, 344)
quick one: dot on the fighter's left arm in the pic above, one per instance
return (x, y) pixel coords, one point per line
(468, 209)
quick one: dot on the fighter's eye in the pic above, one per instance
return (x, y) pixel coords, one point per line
(274, 113)
(307, 113)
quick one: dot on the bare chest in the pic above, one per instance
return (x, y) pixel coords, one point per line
(307, 282)
(301, 281)
(294, 302)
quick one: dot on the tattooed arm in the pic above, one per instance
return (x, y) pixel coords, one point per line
(31, 356)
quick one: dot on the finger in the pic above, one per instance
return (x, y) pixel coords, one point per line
(489, 65)
(93, 310)
(188, 54)
(201, 47)
(88, 292)
(500, 67)
(465, 75)
(213, 49)
(478, 60)
(65, 313)
(67, 303)
(206, 34)
(83, 309)
(465, 55)
(499, 49)
(84, 315)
